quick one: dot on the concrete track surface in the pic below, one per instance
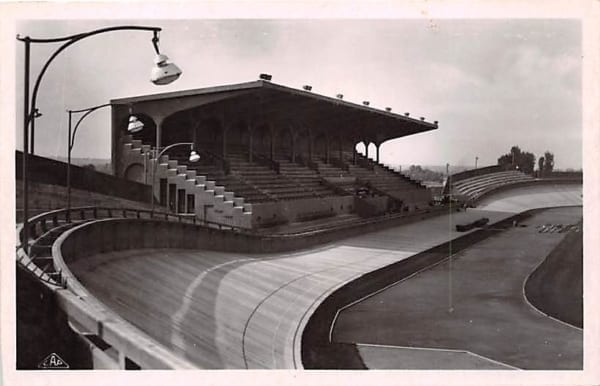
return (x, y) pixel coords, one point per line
(225, 310)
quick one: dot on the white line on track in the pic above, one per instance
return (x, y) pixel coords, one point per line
(534, 307)
(177, 338)
(438, 350)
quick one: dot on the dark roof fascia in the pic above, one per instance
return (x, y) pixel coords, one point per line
(187, 93)
(342, 102)
(273, 86)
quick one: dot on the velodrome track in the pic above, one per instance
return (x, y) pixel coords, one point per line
(227, 310)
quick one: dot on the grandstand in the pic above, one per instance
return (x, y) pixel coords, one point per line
(242, 180)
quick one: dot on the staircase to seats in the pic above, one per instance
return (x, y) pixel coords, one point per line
(203, 195)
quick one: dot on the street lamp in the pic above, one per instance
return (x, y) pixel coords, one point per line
(476, 159)
(194, 157)
(134, 126)
(164, 73)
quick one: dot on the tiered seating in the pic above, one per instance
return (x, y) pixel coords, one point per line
(388, 181)
(300, 183)
(329, 170)
(341, 178)
(476, 186)
(308, 179)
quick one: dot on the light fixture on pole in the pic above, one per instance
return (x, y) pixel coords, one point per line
(134, 126)
(476, 159)
(194, 157)
(30, 111)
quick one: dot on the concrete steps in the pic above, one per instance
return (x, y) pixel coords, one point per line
(211, 201)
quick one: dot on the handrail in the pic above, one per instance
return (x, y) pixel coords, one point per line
(39, 228)
(80, 212)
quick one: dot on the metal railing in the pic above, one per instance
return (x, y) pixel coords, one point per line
(41, 225)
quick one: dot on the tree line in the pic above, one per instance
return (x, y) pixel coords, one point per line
(525, 161)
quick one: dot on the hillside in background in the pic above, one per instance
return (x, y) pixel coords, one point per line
(101, 165)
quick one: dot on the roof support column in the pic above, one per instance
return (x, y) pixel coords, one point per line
(250, 140)
(271, 142)
(224, 122)
(310, 146)
(377, 151)
(224, 150)
(366, 149)
(159, 123)
(293, 135)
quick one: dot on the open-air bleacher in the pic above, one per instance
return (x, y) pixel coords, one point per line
(474, 187)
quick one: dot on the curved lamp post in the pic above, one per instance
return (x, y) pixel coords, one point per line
(194, 157)
(134, 126)
(164, 73)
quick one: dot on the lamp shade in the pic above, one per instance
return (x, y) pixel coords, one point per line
(164, 72)
(134, 125)
(194, 157)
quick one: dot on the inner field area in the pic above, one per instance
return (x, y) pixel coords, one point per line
(476, 305)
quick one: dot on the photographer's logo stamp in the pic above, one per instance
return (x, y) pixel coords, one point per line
(53, 361)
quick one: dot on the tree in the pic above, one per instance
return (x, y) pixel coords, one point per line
(549, 163)
(523, 160)
(541, 167)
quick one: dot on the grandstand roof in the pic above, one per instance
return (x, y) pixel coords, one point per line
(280, 103)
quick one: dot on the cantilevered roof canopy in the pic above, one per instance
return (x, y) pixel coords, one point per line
(269, 102)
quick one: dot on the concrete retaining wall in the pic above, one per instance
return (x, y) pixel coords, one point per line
(296, 210)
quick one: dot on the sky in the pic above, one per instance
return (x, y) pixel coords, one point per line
(491, 83)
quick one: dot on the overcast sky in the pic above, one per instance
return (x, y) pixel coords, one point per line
(490, 83)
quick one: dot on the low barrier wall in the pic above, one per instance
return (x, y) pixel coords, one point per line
(49, 171)
(270, 213)
(520, 184)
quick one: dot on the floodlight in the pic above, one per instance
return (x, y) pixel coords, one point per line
(135, 125)
(164, 72)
